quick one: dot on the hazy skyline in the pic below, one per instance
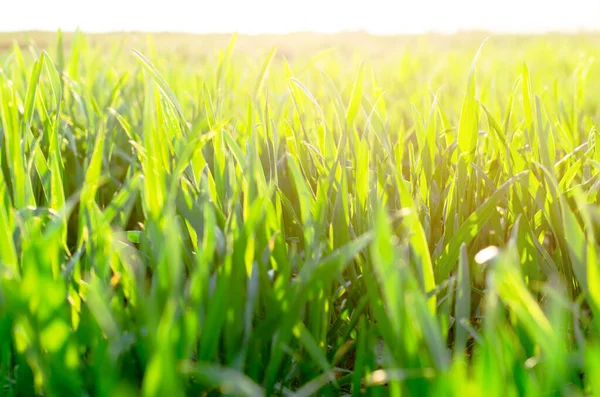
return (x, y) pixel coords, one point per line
(272, 16)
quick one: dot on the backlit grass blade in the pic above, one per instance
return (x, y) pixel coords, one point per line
(264, 71)
(527, 97)
(419, 243)
(463, 302)
(468, 125)
(310, 96)
(32, 89)
(8, 254)
(355, 96)
(92, 176)
(162, 84)
(12, 145)
(384, 263)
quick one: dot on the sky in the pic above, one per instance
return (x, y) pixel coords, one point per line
(283, 16)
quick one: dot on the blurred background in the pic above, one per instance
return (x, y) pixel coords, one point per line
(383, 17)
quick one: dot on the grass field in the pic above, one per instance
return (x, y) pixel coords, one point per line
(185, 215)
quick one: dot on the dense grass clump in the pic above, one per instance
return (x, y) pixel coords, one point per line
(418, 221)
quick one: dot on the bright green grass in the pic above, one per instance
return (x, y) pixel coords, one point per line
(246, 225)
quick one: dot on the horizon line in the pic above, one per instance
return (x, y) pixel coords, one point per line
(364, 32)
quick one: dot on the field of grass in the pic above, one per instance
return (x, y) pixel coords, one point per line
(410, 216)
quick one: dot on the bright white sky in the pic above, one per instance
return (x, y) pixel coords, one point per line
(281, 16)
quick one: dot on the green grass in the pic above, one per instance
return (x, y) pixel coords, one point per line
(411, 221)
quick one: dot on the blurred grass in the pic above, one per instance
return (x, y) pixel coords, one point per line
(192, 215)
(302, 44)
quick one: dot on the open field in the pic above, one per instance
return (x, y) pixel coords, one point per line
(205, 215)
